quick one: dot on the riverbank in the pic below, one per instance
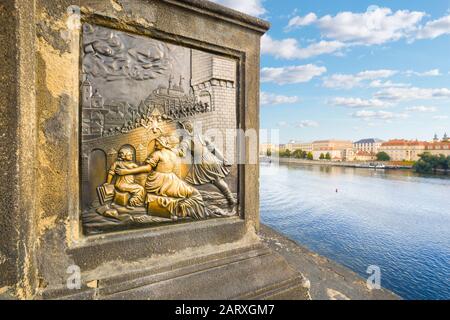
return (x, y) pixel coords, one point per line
(325, 279)
(347, 164)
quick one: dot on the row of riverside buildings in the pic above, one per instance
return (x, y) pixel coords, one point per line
(365, 149)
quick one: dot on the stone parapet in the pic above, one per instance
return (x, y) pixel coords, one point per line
(48, 135)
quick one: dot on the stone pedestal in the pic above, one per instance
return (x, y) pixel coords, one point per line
(243, 270)
(61, 131)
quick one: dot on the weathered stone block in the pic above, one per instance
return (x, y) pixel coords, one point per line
(64, 128)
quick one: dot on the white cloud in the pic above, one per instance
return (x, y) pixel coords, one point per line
(421, 109)
(341, 81)
(302, 21)
(375, 26)
(307, 124)
(274, 99)
(429, 73)
(387, 84)
(349, 81)
(413, 93)
(358, 103)
(440, 117)
(290, 49)
(291, 74)
(251, 7)
(377, 115)
(282, 124)
(375, 74)
(435, 28)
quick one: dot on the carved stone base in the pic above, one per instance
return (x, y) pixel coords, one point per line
(248, 272)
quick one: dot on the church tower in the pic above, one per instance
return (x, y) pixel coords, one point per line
(86, 93)
(435, 139)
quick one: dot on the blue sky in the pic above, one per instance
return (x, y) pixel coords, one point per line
(354, 69)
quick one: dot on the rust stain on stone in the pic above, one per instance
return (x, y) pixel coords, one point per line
(50, 30)
(57, 85)
(45, 224)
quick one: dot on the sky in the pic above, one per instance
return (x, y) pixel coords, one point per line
(354, 69)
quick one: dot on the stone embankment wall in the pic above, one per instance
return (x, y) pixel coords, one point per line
(352, 164)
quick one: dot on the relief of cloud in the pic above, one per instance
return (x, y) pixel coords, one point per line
(116, 55)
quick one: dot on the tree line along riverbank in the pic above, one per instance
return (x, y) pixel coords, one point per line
(427, 163)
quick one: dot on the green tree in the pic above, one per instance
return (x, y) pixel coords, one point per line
(422, 166)
(300, 154)
(322, 156)
(444, 162)
(431, 160)
(328, 156)
(383, 156)
(269, 152)
(431, 163)
(287, 153)
(310, 156)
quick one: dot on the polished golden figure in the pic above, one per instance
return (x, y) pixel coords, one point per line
(126, 183)
(181, 199)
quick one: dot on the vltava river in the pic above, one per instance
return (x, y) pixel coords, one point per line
(396, 220)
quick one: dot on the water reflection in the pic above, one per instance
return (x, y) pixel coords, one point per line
(395, 219)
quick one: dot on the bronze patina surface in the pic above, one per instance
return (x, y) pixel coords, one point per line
(143, 161)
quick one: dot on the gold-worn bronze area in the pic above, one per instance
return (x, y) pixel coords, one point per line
(137, 94)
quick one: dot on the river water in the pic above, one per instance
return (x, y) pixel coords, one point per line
(396, 220)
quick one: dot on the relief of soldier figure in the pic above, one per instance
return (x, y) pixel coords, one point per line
(208, 163)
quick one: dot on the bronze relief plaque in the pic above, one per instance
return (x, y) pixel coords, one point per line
(155, 119)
